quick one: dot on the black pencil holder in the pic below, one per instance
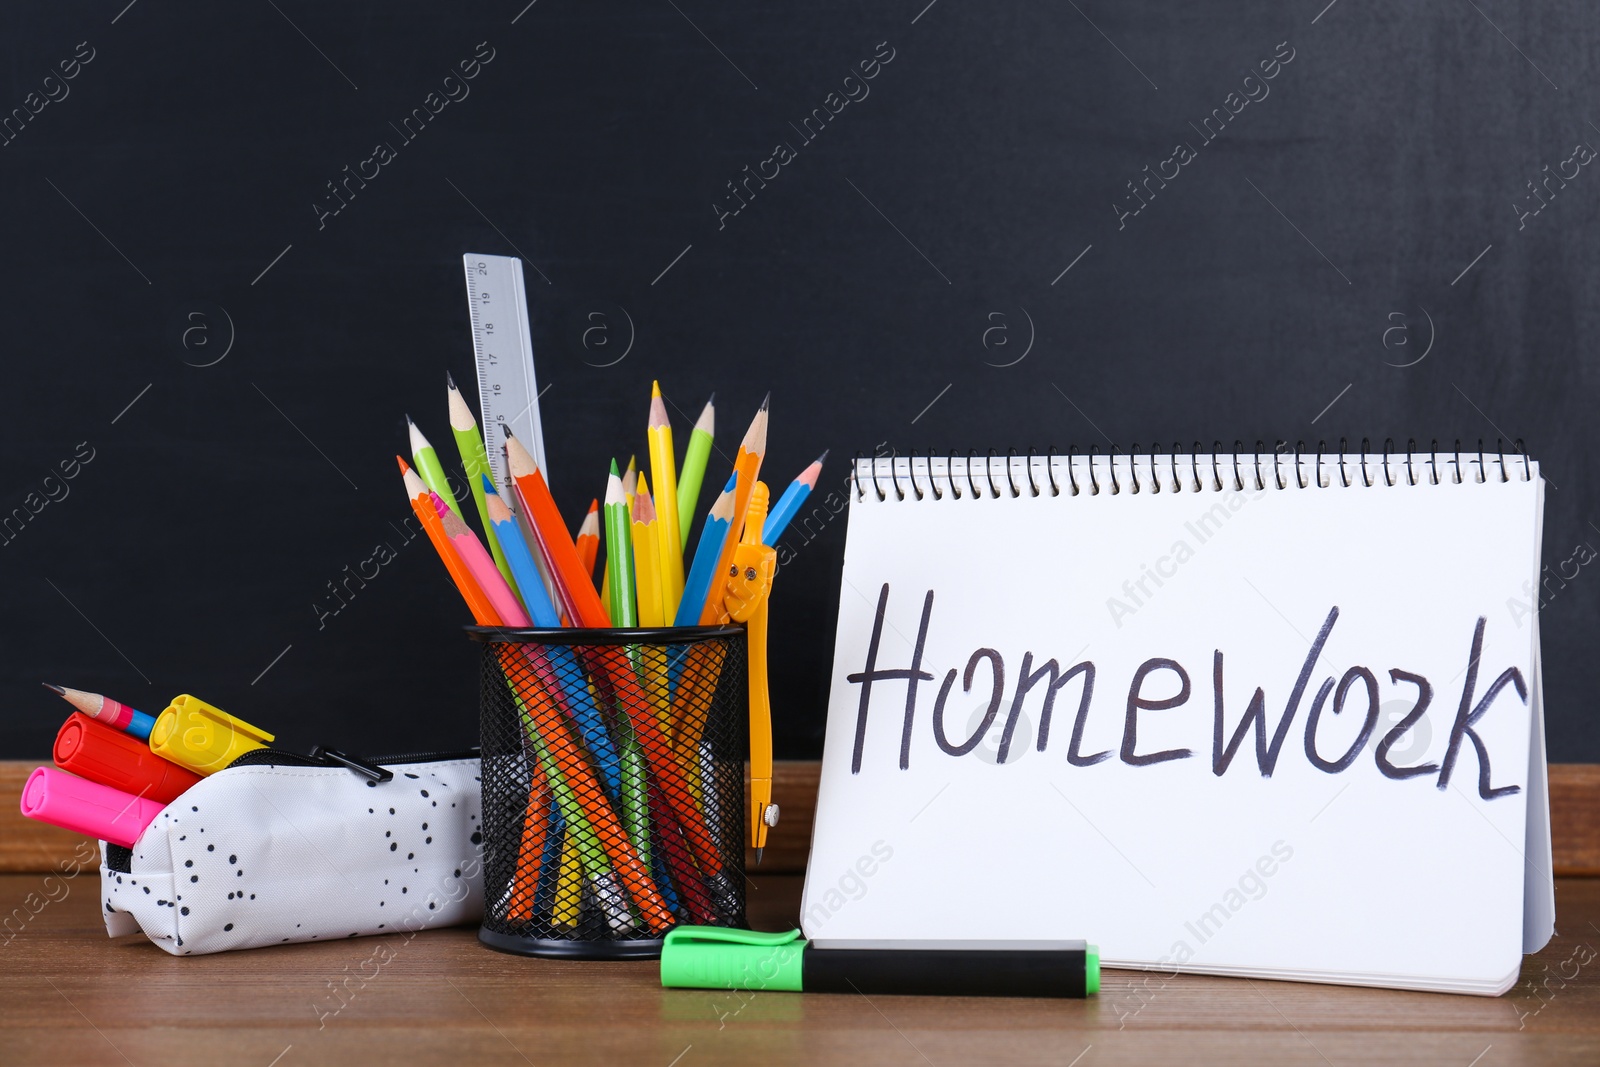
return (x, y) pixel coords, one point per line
(613, 787)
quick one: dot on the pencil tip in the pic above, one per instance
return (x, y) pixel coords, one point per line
(488, 485)
(409, 422)
(766, 401)
(824, 457)
(56, 689)
(449, 379)
(614, 468)
(403, 465)
(655, 388)
(711, 401)
(759, 851)
(506, 426)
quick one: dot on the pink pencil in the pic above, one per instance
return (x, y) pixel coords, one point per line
(478, 561)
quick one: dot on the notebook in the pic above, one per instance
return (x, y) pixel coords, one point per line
(1264, 714)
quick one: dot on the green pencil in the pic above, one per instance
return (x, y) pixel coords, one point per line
(694, 469)
(426, 460)
(475, 460)
(619, 553)
(635, 801)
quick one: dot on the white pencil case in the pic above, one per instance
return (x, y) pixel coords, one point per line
(281, 847)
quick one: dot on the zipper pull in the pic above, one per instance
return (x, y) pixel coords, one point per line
(370, 771)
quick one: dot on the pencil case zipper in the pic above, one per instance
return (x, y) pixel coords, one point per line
(368, 767)
(120, 858)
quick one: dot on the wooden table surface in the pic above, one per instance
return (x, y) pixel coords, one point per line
(70, 995)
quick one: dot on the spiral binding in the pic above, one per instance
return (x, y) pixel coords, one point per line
(1158, 470)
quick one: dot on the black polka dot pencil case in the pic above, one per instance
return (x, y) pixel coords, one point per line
(281, 847)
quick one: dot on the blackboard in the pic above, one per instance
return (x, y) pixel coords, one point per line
(233, 240)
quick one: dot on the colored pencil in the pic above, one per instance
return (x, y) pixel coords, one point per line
(617, 663)
(635, 796)
(574, 588)
(588, 538)
(706, 554)
(790, 502)
(543, 613)
(630, 479)
(746, 467)
(530, 851)
(428, 466)
(481, 566)
(542, 703)
(664, 476)
(619, 562)
(519, 557)
(694, 469)
(475, 461)
(421, 498)
(104, 709)
(647, 568)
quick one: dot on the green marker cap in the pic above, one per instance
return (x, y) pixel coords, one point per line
(1091, 970)
(715, 957)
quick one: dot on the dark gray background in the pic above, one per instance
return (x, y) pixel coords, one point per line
(920, 240)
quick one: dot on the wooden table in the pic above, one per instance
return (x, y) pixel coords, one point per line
(70, 995)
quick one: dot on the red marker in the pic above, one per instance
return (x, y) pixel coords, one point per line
(101, 754)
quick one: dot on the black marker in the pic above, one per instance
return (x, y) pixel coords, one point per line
(714, 957)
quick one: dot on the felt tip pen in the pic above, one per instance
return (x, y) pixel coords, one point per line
(93, 750)
(86, 807)
(714, 957)
(202, 737)
(104, 709)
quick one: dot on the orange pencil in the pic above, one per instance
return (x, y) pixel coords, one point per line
(422, 503)
(573, 584)
(530, 854)
(631, 698)
(747, 465)
(589, 538)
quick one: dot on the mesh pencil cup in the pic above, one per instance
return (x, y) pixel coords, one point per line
(613, 786)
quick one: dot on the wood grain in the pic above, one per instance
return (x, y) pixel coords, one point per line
(70, 995)
(27, 846)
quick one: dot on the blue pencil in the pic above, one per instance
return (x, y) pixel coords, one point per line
(526, 572)
(706, 554)
(569, 671)
(788, 504)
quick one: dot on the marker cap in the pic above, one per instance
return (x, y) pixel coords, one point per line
(91, 749)
(86, 807)
(193, 734)
(716, 957)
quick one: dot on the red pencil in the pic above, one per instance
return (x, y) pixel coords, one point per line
(573, 584)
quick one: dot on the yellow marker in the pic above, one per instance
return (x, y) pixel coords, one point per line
(193, 734)
(663, 472)
(745, 600)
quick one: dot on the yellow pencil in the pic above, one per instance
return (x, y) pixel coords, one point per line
(663, 472)
(569, 885)
(647, 556)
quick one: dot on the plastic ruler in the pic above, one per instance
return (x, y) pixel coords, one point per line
(508, 392)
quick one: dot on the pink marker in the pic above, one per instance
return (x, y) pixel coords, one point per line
(86, 807)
